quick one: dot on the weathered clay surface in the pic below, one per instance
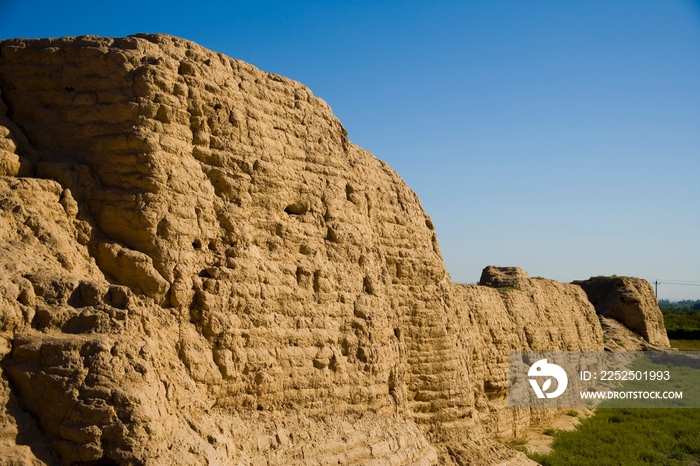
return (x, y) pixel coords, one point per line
(12, 144)
(617, 337)
(630, 301)
(504, 277)
(203, 269)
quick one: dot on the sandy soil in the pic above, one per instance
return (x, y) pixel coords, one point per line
(539, 442)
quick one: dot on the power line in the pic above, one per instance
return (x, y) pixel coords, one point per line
(677, 283)
(674, 282)
(692, 282)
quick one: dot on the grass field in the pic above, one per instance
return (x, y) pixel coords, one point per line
(686, 345)
(682, 321)
(622, 437)
(636, 436)
(683, 326)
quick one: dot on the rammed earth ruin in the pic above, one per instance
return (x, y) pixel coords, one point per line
(198, 267)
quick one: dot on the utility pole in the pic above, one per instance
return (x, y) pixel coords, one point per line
(656, 289)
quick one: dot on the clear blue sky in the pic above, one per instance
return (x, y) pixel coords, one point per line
(559, 136)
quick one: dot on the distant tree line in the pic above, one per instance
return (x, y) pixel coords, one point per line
(687, 306)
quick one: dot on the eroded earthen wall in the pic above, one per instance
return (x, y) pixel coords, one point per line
(237, 282)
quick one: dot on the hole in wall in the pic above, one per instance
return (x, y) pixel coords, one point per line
(296, 209)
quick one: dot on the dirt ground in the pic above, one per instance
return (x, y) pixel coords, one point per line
(539, 442)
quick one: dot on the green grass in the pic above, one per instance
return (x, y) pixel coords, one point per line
(686, 345)
(634, 436)
(631, 437)
(682, 326)
(518, 444)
